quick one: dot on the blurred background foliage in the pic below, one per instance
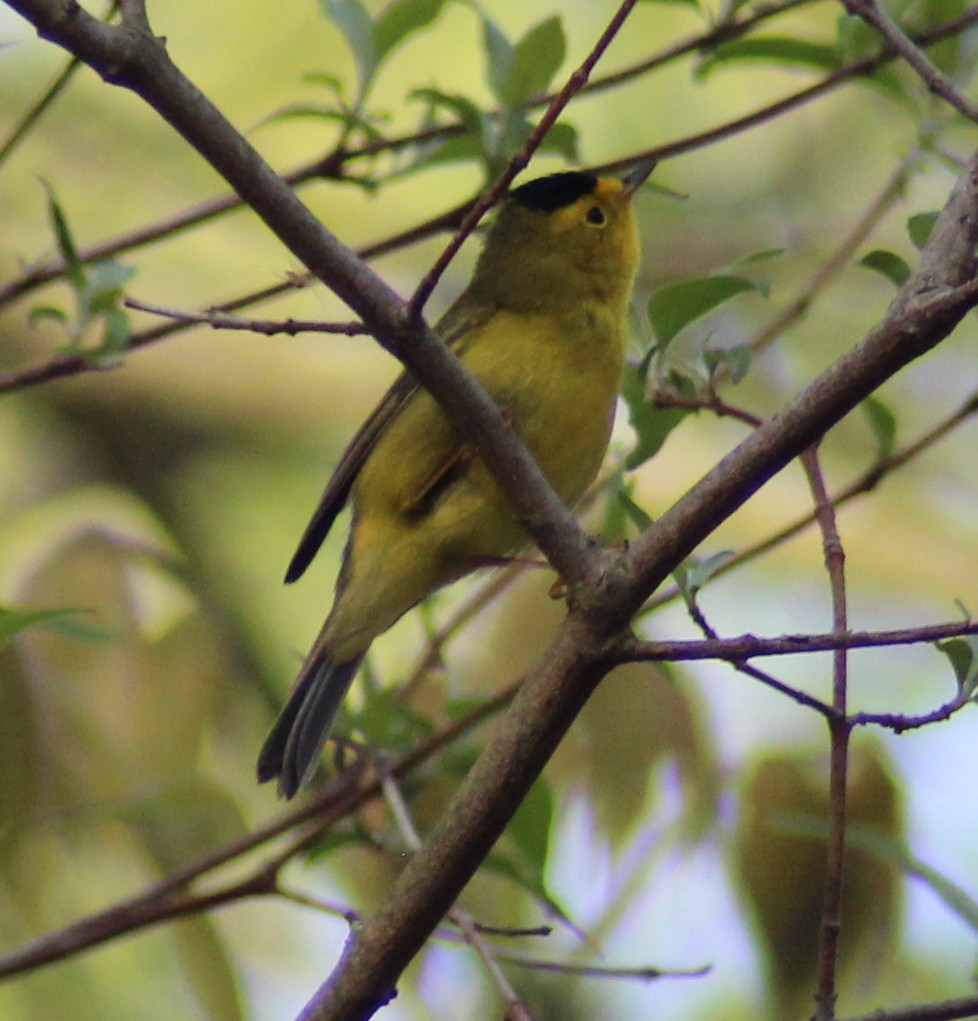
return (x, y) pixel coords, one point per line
(152, 507)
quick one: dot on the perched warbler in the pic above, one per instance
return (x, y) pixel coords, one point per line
(543, 327)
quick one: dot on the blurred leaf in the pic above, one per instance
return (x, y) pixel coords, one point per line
(642, 729)
(14, 619)
(209, 969)
(883, 423)
(22, 757)
(502, 864)
(781, 859)
(889, 264)
(919, 227)
(535, 60)
(529, 829)
(652, 424)
(188, 818)
(401, 19)
(777, 50)
(353, 20)
(897, 853)
(561, 140)
(386, 723)
(736, 360)
(962, 654)
(66, 243)
(675, 306)
(638, 517)
(500, 53)
(49, 312)
(682, 3)
(699, 572)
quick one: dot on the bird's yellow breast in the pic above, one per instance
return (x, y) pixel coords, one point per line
(556, 377)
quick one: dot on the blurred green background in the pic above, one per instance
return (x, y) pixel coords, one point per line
(163, 497)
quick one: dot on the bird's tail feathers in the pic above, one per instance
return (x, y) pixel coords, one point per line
(292, 749)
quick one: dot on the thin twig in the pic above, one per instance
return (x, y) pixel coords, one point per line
(839, 260)
(515, 1008)
(268, 327)
(839, 732)
(932, 76)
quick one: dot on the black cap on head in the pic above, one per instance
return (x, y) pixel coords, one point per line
(546, 194)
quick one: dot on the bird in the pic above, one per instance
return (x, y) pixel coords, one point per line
(543, 326)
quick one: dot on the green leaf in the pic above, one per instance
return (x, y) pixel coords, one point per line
(882, 421)
(353, 20)
(48, 312)
(535, 60)
(401, 19)
(962, 653)
(104, 287)
(561, 140)
(117, 332)
(699, 572)
(66, 243)
(529, 829)
(736, 360)
(919, 227)
(889, 264)
(896, 852)
(675, 306)
(60, 621)
(780, 50)
(651, 424)
(636, 514)
(470, 116)
(499, 55)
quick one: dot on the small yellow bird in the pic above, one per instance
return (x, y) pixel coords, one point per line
(543, 327)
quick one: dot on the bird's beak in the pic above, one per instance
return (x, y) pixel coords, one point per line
(636, 177)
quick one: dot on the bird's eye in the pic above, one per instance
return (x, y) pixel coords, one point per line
(595, 216)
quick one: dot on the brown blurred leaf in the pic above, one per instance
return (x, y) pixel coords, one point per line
(780, 858)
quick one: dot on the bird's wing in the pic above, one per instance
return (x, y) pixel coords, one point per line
(455, 326)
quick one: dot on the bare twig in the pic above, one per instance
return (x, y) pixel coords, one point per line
(945, 1010)
(932, 76)
(839, 731)
(268, 327)
(516, 1009)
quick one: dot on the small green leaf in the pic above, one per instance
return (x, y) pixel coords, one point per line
(401, 19)
(104, 287)
(561, 140)
(919, 227)
(470, 116)
(536, 59)
(353, 20)
(652, 424)
(889, 264)
(736, 360)
(636, 514)
(66, 243)
(117, 332)
(48, 312)
(699, 572)
(962, 653)
(60, 621)
(780, 50)
(499, 55)
(675, 306)
(883, 423)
